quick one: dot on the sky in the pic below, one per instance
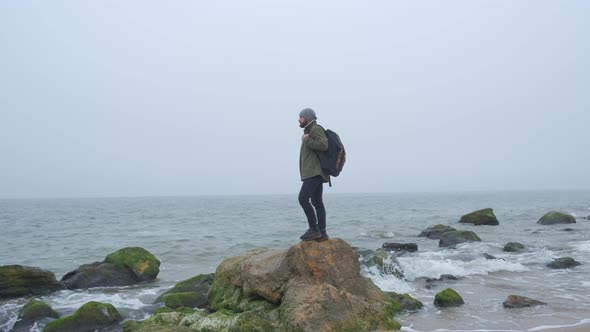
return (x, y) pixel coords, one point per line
(159, 98)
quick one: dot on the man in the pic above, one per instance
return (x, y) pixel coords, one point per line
(314, 140)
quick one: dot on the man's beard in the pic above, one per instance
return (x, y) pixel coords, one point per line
(302, 125)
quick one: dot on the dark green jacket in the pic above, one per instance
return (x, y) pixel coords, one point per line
(309, 163)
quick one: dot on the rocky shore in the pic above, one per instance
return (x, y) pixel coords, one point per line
(311, 286)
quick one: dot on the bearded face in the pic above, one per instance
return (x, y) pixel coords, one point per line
(303, 122)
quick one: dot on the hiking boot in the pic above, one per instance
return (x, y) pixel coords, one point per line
(324, 237)
(311, 235)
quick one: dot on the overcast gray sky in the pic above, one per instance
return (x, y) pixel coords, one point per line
(135, 98)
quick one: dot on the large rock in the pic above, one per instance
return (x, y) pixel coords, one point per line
(400, 247)
(554, 217)
(189, 293)
(313, 286)
(453, 238)
(481, 217)
(17, 280)
(90, 317)
(563, 263)
(33, 312)
(513, 247)
(516, 301)
(448, 298)
(435, 232)
(124, 267)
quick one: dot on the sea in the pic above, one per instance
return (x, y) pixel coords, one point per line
(192, 235)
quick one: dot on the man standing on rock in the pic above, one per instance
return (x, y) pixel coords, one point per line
(314, 140)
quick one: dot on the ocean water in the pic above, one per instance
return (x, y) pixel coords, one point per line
(192, 235)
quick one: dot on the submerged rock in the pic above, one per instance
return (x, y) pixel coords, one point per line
(434, 232)
(488, 256)
(409, 247)
(513, 247)
(448, 298)
(33, 312)
(193, 292)
(515, 301)
(568, 229)
(563, 263)
(124, 267)
(554, 217)
(17, 281)
(90, 317)
(406, 302)
(385, 263)
(313, 286)
(481, 217)
(453, 238)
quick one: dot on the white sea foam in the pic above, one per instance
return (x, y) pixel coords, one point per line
(416, 267)
(547, 327)
(388, 283)
(583, 246)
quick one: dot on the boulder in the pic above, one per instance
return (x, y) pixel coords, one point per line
(124, 267)
(392, 246)
(554, 217)
(453, 238)
(17, 281)
(90, 317)
(448, 298)
(488, 256)
(406, 302)
(563, 263)
(480, 217)
(33, 312)
(312, 286)
(516, 301)
(588, 217)
(513, 247)
(434, 232)
(194, 289)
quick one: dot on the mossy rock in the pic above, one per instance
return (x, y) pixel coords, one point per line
(199, 284)
(480, 217)
(452, 238)
(183, 310)
(513, 247)
(448, 298)
(434, 232)
(32, 312)
(250, 321)
(225, 296)
(187, 299)
(17, 281)
(91, 316)
(563, 263)
(371, 322)
(406, 302)
(555, 217)
(145, 265)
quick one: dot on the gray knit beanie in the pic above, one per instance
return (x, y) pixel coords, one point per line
(308, 114)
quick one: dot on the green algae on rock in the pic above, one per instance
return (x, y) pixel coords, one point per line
(513, 247)
(555, 217)
(434, 232)
(563, 263)
(91, 316)
(448, 298)
(17, 281)
(452, 238)
(481, 217)
(143, 263)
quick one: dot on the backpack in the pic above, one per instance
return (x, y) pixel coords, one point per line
(332, 160)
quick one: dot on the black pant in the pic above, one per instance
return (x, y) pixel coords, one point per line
(313, 188)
